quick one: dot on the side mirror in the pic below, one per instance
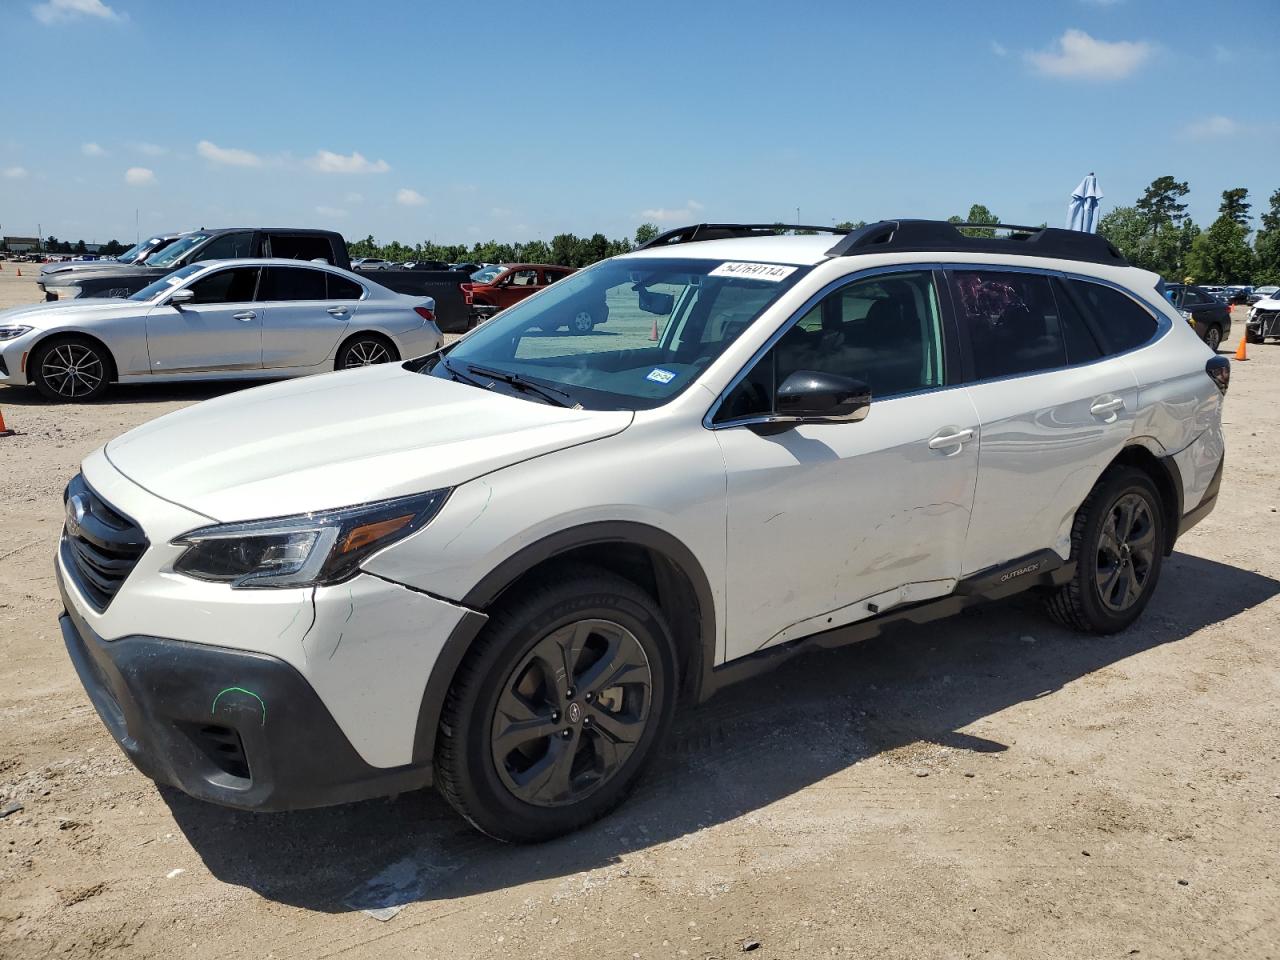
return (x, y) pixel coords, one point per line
(179, 297)
(808, 396)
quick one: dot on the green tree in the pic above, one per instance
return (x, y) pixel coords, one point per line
(1161, 202)
(1235, 206)
(646, 232)
(1221, 254)
(81, 247)
(851, 225)
(1266, 245)
(978, 214)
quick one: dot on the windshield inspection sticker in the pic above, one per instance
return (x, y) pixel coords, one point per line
(753, 271)
(658, 375)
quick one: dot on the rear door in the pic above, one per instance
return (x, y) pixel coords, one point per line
(1054, 410)
(219, 330)
(308, 310)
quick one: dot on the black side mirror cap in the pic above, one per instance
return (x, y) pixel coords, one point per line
(811, 396)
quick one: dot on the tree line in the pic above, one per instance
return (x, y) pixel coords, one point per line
(1157, 234)
(52, 244)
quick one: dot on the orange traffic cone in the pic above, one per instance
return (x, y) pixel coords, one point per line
(19, 271)
(1241, 352)
(4, 431)
(653, 333)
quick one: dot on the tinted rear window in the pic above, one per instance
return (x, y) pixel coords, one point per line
(293, 283)
(340, 288)
(1121, 321)
(293, 247)
(1011, 320)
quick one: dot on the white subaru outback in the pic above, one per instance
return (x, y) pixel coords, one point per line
(500, 567)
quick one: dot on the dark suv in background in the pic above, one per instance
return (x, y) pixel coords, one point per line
(1210, 316)
(121, 279)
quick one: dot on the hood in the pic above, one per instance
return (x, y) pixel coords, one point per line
(340, 439)
(100, 268)
(1268, 303)
(53, 312)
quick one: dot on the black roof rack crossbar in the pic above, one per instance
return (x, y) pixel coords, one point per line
(723, 231)
(943, 236)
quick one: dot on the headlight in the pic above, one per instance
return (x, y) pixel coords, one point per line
(12, 333)
(309, 549)
(62, 292)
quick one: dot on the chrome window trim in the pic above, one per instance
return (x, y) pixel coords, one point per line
(829, 288)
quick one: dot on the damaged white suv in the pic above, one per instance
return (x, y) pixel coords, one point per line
(499, 568)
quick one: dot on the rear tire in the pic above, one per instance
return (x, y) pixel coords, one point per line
(558, 707)
(1213, 337)
(582, 323)
(1117, 542)
(365, 350)
(71, 369)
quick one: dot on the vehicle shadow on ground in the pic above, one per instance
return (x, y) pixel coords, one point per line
(135, 393)
(750, 746)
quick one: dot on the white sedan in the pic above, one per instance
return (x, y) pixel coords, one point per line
(215, 320)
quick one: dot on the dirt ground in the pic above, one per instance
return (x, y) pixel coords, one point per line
(991, 786)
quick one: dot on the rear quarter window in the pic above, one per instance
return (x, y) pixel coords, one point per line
(294, 247)
(1122, 322)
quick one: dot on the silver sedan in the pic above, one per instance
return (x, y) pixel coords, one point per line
(215, 320)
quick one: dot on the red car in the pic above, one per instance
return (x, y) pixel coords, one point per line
(495, 288)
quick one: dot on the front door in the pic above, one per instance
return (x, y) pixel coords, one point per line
(833, 523)
(219, 330)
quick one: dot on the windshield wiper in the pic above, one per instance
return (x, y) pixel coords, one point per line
(525, 385)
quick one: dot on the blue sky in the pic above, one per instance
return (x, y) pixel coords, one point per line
(513, 121)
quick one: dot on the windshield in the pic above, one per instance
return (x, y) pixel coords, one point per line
(166, 283)
(131, 254)
(170, 254)
(485, 275)
(625, 334)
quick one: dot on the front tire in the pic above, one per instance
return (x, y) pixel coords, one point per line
(558, 708)
(72, 369)
(1117, 541)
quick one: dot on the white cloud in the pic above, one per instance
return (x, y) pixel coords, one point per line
(1078, 55)
(686, 214)
(139, 176)
(326, 161)
(62, 11)
(354, 198)
(334, 212)
(92, 150)
(999, 49)
(409, 198)
(14, 173)
(227, 156)
(1211, 127)
(499, 212)
(151, 149)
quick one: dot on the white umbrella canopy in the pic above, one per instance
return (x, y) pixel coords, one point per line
(1082, 211)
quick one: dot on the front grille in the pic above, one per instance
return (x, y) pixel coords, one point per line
(101, 544)
(1268, 322)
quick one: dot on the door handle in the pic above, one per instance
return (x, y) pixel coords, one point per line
(945, 440)
(247, 315)
(337, 311)
(1104, 408)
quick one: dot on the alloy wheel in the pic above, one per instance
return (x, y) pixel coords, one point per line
(582, 322)
(365, 353)
(1126, 552)
(72, 370)
(1213, 338)
(571, 713)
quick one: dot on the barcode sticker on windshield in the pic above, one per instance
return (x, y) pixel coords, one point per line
(658, 375)
(753, 271)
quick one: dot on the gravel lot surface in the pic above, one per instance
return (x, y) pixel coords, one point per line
(989, 786)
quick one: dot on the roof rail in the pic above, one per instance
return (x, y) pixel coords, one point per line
(943, 236)
(721, 231)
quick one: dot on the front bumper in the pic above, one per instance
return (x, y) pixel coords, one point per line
(236, 728)
(13, 356)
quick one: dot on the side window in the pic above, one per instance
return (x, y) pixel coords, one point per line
(294, 247)
(226, 286)
(1011, 320)
(340, 288)
(229, 246)
(1081, 345)
(524, 278)
(553, 275)
(885, 331)
(293, 283)
(1120, 320)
